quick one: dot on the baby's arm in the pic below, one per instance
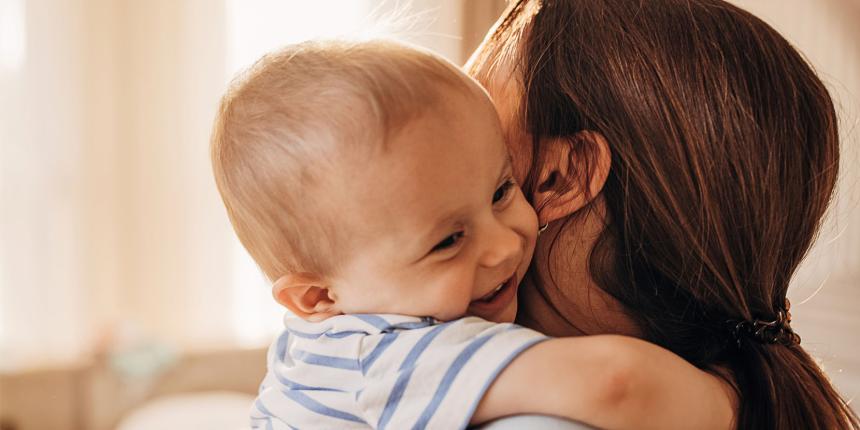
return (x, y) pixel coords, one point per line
(612, 382)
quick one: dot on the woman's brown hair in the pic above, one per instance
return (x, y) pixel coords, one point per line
(724, 158)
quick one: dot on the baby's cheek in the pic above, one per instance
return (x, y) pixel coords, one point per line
(360, 300)
(453, 295)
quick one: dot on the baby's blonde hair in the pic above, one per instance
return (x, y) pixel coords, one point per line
(283, 122)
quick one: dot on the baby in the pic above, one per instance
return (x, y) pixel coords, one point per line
(370, 181)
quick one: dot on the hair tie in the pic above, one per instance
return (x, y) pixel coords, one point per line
(777, 331)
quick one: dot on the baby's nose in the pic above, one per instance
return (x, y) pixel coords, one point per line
(503, 248)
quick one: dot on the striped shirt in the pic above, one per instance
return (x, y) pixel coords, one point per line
(383, 371)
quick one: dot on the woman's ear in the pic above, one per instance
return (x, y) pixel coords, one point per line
(567, 183)
(306, 295)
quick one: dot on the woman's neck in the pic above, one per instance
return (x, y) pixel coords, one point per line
(559, 296)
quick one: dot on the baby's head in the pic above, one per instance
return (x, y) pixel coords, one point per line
(372, 177)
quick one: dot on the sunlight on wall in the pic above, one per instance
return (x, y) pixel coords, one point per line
(13, 40)
(2, 300)
(256, 27)
(42, 137)
(256, 316)
(12, 56)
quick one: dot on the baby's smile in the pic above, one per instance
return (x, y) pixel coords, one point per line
(492, 303)
(449, 233)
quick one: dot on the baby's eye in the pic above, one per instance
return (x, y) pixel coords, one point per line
(503, 191)
(448, 242)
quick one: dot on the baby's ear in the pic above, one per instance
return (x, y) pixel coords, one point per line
(566, 182)
(305, 294)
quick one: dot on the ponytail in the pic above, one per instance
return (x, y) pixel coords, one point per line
(781, 387)
(778, 384)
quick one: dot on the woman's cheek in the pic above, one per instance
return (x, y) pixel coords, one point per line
(521, 158)
(519, 146)
(506, 100)
(527, 224)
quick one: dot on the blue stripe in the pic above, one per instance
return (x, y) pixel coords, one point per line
(448, 379)
(335, 335)
(304, 335)
(343, 334)
(315, 406)
(257, 423)
(327, 360)
(268, 421)
(421, 345)
(403, 379)
(367, 362)
(281, 346)
(279, 355)
(412, 325)
(374, 320)
(280, 351)
(260, 407)
(297, 386)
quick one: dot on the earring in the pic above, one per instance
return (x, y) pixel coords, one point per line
(542, 228)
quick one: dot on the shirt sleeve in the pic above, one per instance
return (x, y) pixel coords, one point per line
(434, 377)
(305, 388)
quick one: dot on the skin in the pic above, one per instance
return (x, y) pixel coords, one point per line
(573, 305)
(450, 227)
(610, 382)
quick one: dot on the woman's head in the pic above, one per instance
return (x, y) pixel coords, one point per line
(724, 156)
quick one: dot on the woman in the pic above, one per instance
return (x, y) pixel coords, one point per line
(682, 154)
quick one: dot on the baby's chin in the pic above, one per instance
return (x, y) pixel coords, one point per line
(507, 315)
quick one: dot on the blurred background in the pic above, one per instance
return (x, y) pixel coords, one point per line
(125, 300)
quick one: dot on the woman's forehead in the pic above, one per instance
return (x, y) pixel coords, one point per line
(506, 92)
(496, 65)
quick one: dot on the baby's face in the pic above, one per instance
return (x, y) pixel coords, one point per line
(441, 229)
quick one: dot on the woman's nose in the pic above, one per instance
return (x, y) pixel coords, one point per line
(503, 247)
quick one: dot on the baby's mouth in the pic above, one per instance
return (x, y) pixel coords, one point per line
(486, 298)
